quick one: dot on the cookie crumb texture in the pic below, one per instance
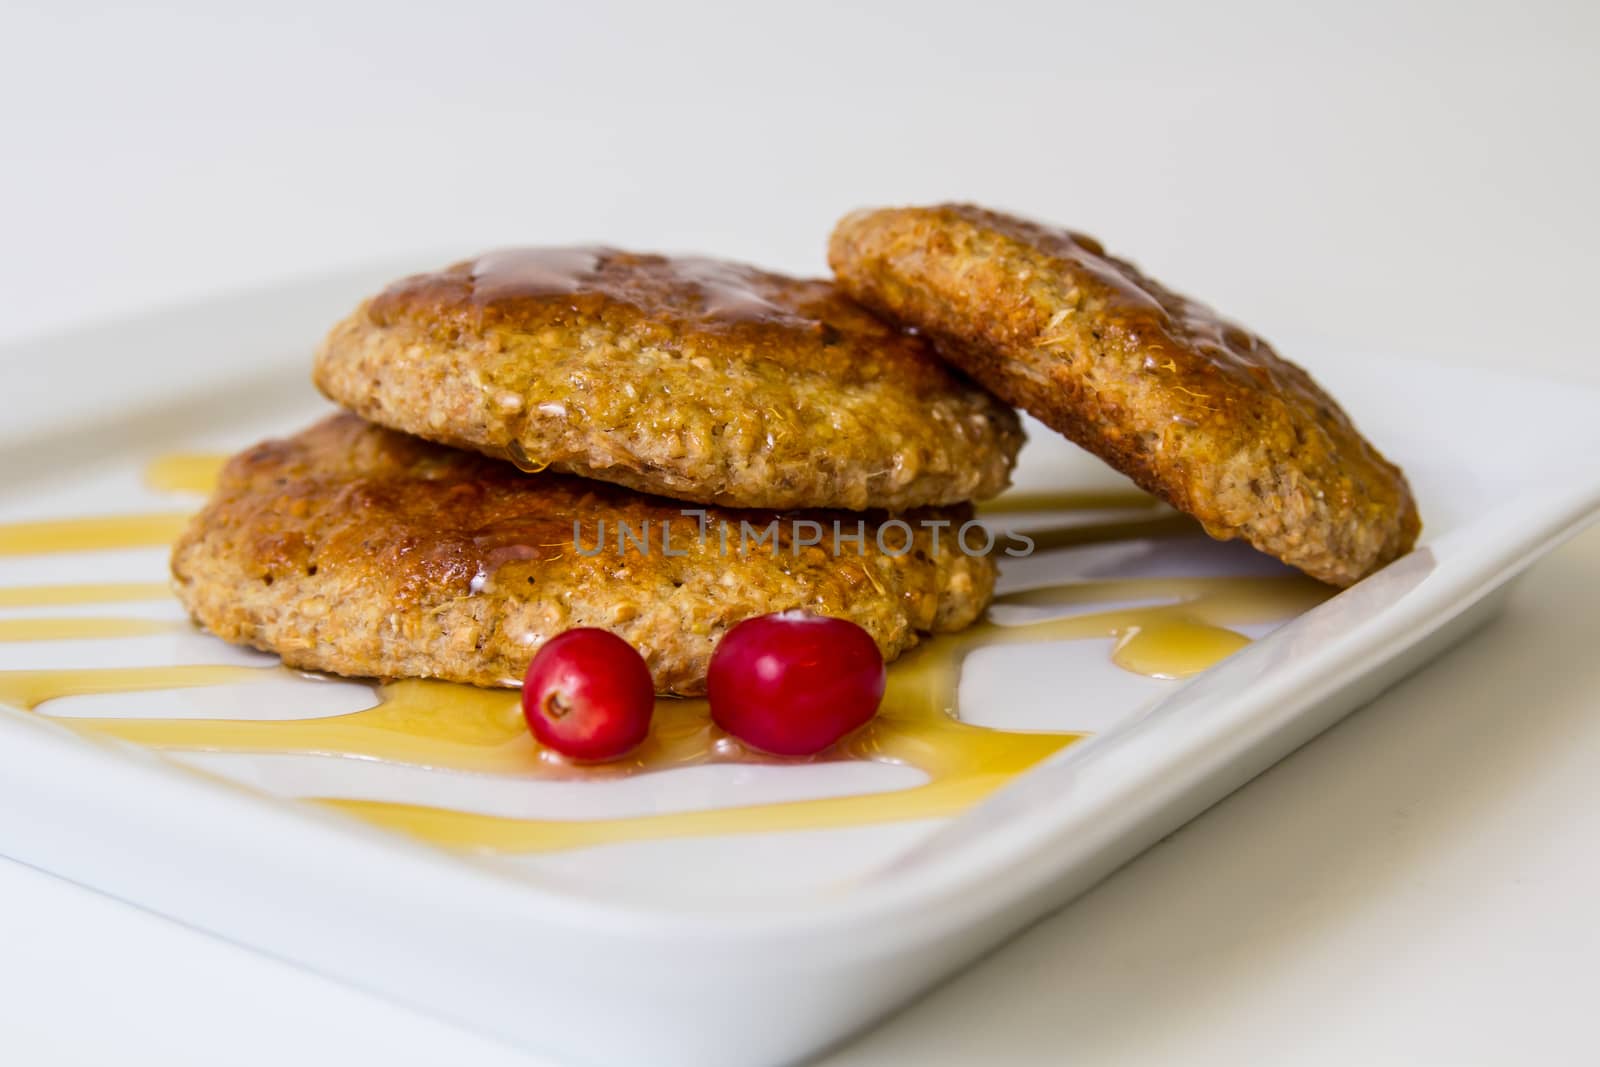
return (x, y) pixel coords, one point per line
(353, 549)
(1193, 408)
(692, 378)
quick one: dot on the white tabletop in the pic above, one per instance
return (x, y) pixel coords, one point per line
(1417, 886)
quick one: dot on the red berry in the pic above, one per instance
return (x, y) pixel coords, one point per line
(588, 695)
(794, 683)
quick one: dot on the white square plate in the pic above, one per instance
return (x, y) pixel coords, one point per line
(747, 948)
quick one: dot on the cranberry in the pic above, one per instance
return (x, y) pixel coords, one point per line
(794, 683)
(588, 695)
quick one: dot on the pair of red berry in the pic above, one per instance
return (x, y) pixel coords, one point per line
(790, 684)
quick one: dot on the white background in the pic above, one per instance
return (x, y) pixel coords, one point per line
(1418, 886)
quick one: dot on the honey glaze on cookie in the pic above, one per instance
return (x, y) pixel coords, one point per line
(517, 272)
(693, 378)
(712, 291)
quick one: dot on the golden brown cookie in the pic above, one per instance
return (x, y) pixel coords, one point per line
(1191, 407)
(692, 378)
(353, 549)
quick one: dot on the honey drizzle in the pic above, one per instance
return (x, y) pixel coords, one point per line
(86, 628)
(29, 689)
(461, 728)
(184, 472)
(30, 596)
(181, 472)
(92, 534)
(447, 726)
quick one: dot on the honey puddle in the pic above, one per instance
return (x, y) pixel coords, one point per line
(466, 729)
